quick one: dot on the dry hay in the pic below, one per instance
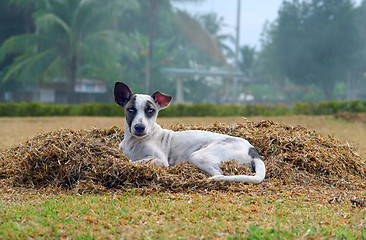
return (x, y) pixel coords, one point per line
(89, 161)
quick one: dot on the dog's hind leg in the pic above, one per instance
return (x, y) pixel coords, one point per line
(205, 160)
(210, 158)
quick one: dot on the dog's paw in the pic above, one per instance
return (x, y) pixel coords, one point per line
(217, 178)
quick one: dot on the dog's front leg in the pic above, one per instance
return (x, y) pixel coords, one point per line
(155, 156)
(153, 160)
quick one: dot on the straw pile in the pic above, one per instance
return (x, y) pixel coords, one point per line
(89, 161)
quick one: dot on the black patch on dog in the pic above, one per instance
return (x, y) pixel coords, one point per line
(130, 111)
(150, 109)
(253, 153)
(122, 93)
(164, 138)
(252, 167)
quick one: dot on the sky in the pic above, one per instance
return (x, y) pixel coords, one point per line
(254, 13)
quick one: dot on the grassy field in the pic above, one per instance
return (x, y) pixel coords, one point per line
(289, 213)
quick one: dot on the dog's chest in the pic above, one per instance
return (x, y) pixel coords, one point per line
(157, 145)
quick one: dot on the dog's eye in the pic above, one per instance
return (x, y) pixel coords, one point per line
(150, 110)
(131, 110)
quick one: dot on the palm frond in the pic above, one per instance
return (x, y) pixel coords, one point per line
(99, 44)
(17, 44)
(54, 68)
(101, 19)
(30, 67)
(111, 34)
(69, 29)
(48, 20)
(200, 37)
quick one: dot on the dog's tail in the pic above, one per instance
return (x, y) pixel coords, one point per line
(260, 173)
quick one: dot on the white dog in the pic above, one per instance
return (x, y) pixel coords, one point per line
(144, 140)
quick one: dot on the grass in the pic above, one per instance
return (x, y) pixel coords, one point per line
(255, 214)
(167, 216)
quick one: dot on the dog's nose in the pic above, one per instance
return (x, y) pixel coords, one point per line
(139, 128)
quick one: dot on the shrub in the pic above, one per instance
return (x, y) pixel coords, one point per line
(180, 110)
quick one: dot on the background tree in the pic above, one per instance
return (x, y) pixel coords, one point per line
(14, 20)
(154, 8)
(72, 33)
(314, 42)
(200, 38)
(136, 46)
(247, 61)
(361, 27)
(214, 25)
(172, 48)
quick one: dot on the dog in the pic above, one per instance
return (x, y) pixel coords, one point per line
(145, 141)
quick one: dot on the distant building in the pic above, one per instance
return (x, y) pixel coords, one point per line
(86, 90)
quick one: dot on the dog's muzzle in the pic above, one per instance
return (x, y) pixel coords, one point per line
(139, 130)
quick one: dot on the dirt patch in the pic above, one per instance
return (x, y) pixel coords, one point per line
(89, 161)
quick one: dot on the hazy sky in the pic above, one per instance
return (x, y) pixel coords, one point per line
(254, 13)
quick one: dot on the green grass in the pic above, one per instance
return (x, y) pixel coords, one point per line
(169, 216)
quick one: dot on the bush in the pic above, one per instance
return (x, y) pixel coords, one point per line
(331, 107)
(180, 110)
(98, 109)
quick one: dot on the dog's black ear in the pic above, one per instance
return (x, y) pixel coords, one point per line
(163, 100)
(122, 93)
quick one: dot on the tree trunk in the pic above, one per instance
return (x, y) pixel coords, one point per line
(154, 11)
(71, 96)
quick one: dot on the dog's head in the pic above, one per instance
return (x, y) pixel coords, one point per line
(140, 110)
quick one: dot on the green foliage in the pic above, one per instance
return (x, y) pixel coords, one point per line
(70, 34)
(34, 109)
(248, 58)
(213, 23)
(201, 110)
(315, 42)
(331, 107)
(181, 110)
(99, 109)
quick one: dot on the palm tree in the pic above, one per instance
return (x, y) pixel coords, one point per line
(70, 34)
(154, 8)
(214, 24)
(200, 37)
(248, 57)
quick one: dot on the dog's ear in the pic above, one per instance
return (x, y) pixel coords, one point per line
(163, 100)
(122, 93)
